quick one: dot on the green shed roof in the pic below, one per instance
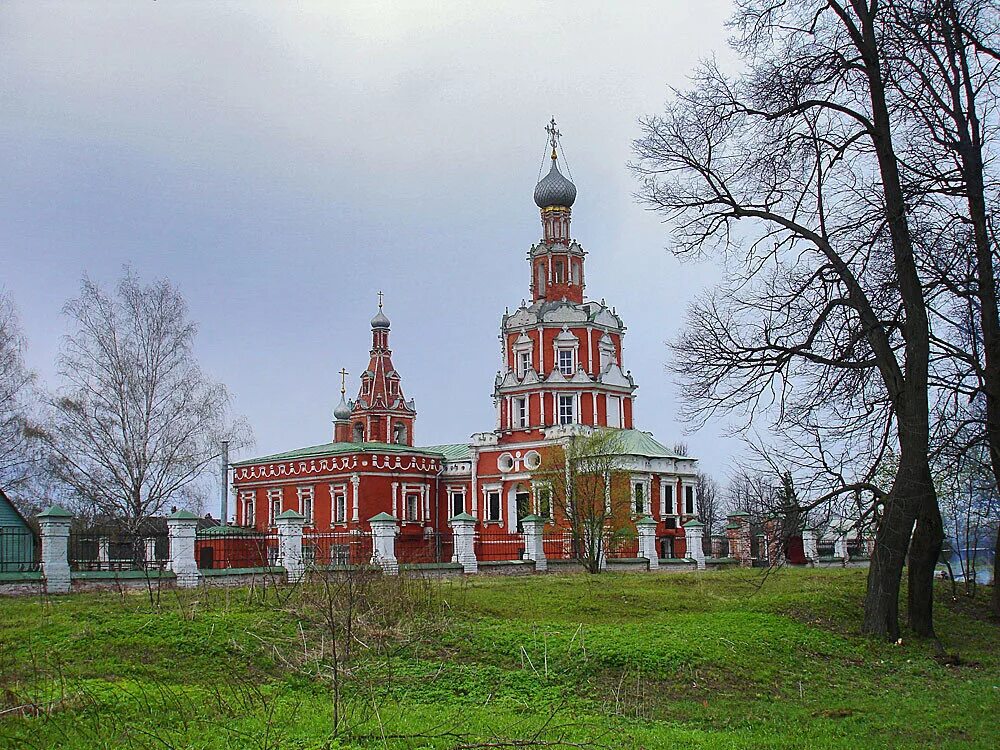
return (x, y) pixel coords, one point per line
(641, 443)
(451, 451)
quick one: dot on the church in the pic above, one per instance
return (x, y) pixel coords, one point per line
(563, 373)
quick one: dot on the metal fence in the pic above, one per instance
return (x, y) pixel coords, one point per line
(437, 547)
(117, 550)
(622, 547)
(227, 547)
(559, 544)
(20, 550)
(333, 549)
(498, 545)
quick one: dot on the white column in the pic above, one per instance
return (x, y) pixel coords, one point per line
(809, 548)
(182, 528)
(840, 546)
(54, 526)
(693, 532)
(594, 399)
(646, 527)
(425, 491)
(663, 497)
(384, 530)
(355, 482)
(533, 527)
(395, 499)
(463, 527)
(290, 526)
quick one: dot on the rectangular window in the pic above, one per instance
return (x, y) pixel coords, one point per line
(523, 363)
(339, 504)
(614, 411)
(412, 506)
(689, 501)
(521, 411)
(667, 508)
(566, 361)
(493, 505)
(560, 272)
(566, 409)
(639, 498)
(274, 503)
(306, 495)
(248, 507)
(457, 502)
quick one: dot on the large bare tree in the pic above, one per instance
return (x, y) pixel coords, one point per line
(135, 422)
(18, 448)
(790, 170)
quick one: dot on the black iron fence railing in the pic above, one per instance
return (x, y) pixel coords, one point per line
(436, 547)
(622, 547)
(116, 550)
(496, 545)
(337, 548)
(225, 547)
(20, 550)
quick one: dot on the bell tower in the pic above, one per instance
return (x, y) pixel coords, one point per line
(557, 261)
(381, 413)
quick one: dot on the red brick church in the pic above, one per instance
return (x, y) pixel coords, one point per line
(563, 368)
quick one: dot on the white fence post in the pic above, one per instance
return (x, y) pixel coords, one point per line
(534, 549)
(384, 530)
(840, 546)
(693, 532)
(646, 527)
(182, 529)
(290, 525)
(809, 547)
(54, 526)
(463, 527)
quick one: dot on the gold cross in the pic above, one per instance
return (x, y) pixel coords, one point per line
(553, 134)
(343, 380)
(380, 300)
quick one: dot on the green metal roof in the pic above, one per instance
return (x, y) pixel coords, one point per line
(227, 532)
(328, 449)
(451, 451)
(640, 443)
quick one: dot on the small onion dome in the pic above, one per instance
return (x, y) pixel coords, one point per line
(554, 190)
(380, 321)
(342, 412)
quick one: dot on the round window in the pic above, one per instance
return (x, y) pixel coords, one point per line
(505, 462)
(532, 459)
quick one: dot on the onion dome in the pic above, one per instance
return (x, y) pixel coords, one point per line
(342, 412)
(554, 189)
(380, 320)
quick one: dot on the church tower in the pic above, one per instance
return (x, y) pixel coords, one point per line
(562, 353)
(381, 413)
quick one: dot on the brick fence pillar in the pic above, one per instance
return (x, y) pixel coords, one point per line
(54, 526)
(290, 526)
(646, 527)
(463, 528)
(182, 529)
(693, 532)
(534, 527)
(738, 531)
(384, 531)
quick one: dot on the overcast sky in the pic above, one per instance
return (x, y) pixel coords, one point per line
(282, 162)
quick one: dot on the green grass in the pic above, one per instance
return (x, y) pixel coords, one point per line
(618, 661)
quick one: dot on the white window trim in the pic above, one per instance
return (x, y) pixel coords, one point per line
(306, 494)
(273, 495)
(487, 489)
(452, 491)
(536, 487)
(694, 499)
(335, 490)
(516, 420)
(248, 498)
(575, 416)
(520, 350)
(647, 490)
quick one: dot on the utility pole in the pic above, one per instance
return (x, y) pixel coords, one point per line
(225, 482)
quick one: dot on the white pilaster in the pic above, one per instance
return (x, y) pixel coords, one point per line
(384, 530)
(693, 532)
(290, 526)
(646, 527)
(355, 500)
(533, 528)
(463, 527)
(54, 527)
(809, 547)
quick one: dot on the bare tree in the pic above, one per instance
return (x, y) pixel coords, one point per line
(590, 491)
(136, 422)
(19, 450)
(791, 171)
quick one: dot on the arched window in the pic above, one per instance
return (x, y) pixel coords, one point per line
(540, 278)
(359, 432)
(399, 433)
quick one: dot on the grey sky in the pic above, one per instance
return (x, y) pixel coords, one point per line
(281, 162)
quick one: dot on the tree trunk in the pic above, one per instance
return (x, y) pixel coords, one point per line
(925, 550)
(886, 571)
(996, 574)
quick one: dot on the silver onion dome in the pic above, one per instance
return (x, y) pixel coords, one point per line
(380, 320)
(554, 190)
(342, 411)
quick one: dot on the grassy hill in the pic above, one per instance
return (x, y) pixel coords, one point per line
(719, 660)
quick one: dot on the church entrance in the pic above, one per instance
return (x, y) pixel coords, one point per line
(522, 503)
